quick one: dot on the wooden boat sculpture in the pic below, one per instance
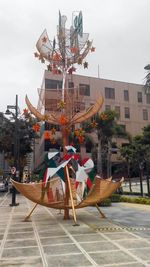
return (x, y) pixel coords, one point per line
(101, 189)
(71, 48)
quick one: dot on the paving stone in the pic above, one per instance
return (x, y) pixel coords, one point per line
(47, 236)
(68, 261)
(54, 240)
(82, 230)
(136, 264)
(20, 243)
(1, 236)
(21, 224)
(130, 244)
(52, 233)
(20, 252)
(91, 237)
(61, 249)
(143, 253)
(98, 246)
(26, 262)
(144, 233)
(18, 229)
(116, 236)
(114, 257)
(20, 235)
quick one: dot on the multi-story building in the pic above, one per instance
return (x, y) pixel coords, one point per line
(128, 99)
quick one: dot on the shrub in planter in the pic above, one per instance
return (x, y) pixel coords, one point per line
(115, 198)
(138, 200)
(105, 203)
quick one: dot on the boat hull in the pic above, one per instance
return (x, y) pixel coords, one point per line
(36, 192)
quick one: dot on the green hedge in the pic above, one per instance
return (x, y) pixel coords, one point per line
(118, 198)
(115, 198)
(138, 200)
(105, 203)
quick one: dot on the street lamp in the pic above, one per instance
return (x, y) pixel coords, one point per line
(16, 149)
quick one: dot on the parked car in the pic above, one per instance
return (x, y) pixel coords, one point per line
(3, 187)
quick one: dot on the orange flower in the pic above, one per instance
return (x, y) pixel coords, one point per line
(25, 111)
(94, 124)
(36, 127)
(47, 135)
(63, 120)
(74, 50)
(56, 57)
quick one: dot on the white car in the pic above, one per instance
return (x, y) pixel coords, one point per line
(3, 188)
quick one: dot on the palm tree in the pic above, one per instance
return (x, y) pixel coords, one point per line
(147, 79)
(105, 126)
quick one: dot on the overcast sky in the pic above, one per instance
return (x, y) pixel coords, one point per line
(119, 30)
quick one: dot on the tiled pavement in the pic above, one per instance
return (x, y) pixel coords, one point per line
(123, 239)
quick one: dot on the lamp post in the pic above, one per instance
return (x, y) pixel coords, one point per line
(16, 149)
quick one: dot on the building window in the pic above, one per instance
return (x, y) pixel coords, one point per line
(79, 106)
(148, 98)
(84, 89)
(139, 97)
(70, 85)
(145, 114)
(117, 109)
(109, 93)
(53, 84)
(126, 95)
(127, 113)
(50, 104)
(107, 107)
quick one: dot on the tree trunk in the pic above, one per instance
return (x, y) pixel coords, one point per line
(109, 160)
(129, 178)
(99, 156)
(141, 181)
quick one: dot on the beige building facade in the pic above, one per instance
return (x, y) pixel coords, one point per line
(128, 99)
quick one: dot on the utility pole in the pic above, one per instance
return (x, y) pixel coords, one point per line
(14, 170)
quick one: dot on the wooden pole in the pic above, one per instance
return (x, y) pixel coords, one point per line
(71, 197)
(101, 213)
(28, 216)
(66, 200)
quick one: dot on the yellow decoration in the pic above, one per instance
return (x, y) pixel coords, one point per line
(94, 124)
(53, 131)
(45, 117)
(61, 104)
(80, 60)
(103, 116)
